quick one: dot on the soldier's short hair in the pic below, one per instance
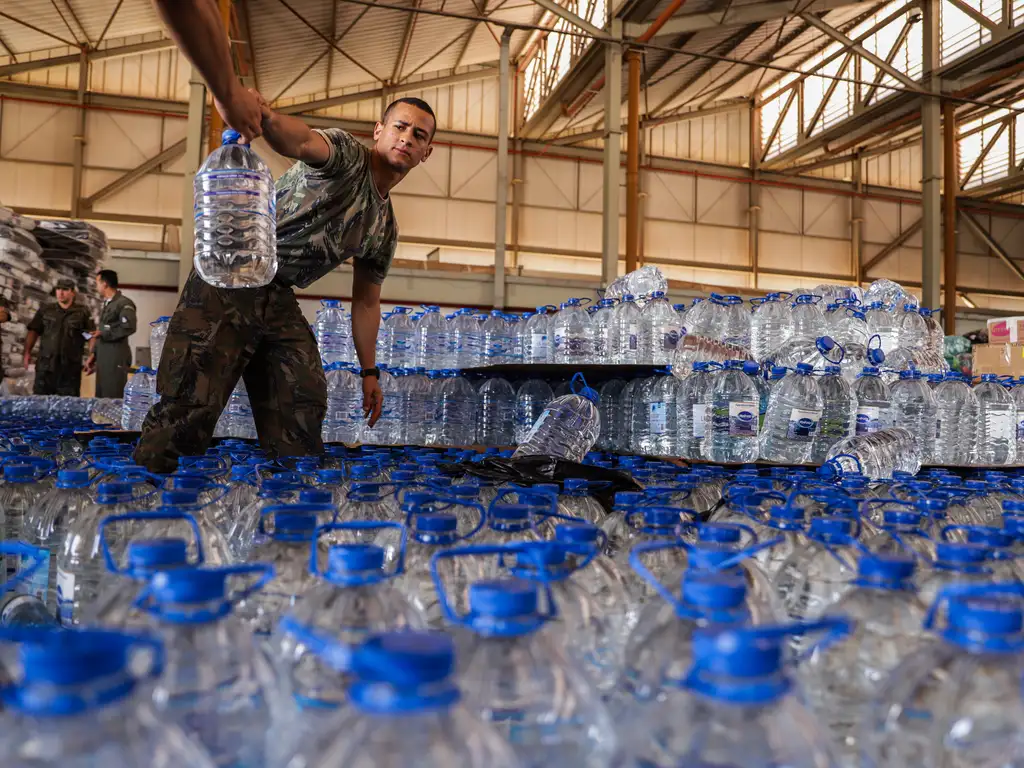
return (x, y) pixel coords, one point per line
(109, 277)
(412, 101)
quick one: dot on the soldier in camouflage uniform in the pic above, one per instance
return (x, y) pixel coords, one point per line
(62, 328)
(332, 207)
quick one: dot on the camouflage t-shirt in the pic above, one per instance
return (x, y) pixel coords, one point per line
(328, 215)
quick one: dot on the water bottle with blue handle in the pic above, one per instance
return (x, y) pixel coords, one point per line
(235, 217)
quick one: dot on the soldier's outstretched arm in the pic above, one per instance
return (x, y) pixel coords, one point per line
(292, 138)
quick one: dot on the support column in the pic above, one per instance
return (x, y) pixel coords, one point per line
(952, 177)
(517, 166)
(501, 197)
(195, 150)
(612, 156)
(857, 218)
(754, 195)
(216, 121)
(931, 161)
(633, 163)
(78, 156)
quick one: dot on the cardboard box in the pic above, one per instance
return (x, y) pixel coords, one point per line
(1003, 359)
(1006, 330)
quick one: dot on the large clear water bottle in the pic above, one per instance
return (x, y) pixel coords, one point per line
(639, 282)
(660, 329)
(419, 405)
(1017, 393)
(815, 351)
(875, 456)
(432, 340)
(913, 409)
(139, 395)
(886, 292)
(457, 411)
(839, 413)
(18, 494)
(770, 325)
(157, 337)
(662, 401)
(911, 329)
(807, 316)
(236, 420)
(732, 321)
(793, 418)
(601, 330)
(694, 400)
(881, 322)
(538, 345)
(737, 705)
(343, 421)
(100, 716)
(848, 327)
(570, 328)
(568, 427)
(693, 348)
(333, 332)
(465, 339)
(627, 335)
(399, 339)
(497, 342)
(996, 438)
(497, 413)
(734, 404)
(956, 411)
(235, 217)
(388, 429)
(698, 317)
(873, 400)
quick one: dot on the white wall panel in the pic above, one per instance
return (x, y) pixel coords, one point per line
(35, 186)
(474, 174)
(804, 254)
(670, 196)
(722, 139)
(119, 140)
(826, 215)
(37, 132)
(781, 210)
(550, 183)
(721, 202)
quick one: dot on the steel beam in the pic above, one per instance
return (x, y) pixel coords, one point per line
(572, 18)
(859, 49)
(754, 198)
(753, 13)
(891, 248)
(857, 218)
(106, 53)
(950, 184)
(931, 160)
(173, 152)
(195, 150)
(78, 152)
(612, 155)
(633, 162)
(990, 242)
(45, 33)
(501, 196)
(376, 93)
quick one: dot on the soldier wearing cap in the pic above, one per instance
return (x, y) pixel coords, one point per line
(62, 329)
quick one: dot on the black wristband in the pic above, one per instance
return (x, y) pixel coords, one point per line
(375, 372)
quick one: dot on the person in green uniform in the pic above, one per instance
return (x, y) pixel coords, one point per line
(111, 356)
(62, 329)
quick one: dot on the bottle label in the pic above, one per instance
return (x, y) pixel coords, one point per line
(1020, 429)
(633, 344)
(868, 419)
(803, 423)
(540, 344)
(35, 585)
(65, 597)
(742, 418)
(658, 419)
(1000, 425)
(700, 411)
(835, 429)
(669, 340)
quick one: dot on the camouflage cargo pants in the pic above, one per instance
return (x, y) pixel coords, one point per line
(216, 336)
(65, 379)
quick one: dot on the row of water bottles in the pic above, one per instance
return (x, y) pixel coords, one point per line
(373, 607)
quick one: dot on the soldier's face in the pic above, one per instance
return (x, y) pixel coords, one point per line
(404, 139)
(65, 296)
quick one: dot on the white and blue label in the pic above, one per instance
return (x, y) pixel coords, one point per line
(803, 423)
(37, 584)
(868, 419)
(540, 344)
(743, 418)
(658, 418)
(1020, 429)
(700, 411)
(65, 597)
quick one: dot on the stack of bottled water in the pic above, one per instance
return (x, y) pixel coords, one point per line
(251, 611)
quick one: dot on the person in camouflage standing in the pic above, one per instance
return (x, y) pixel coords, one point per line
(332, 207)
(110, 355)
(63, 328)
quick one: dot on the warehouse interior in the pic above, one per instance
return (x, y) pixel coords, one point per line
(746, 146)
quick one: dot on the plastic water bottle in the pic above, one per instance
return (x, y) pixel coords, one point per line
(815, 351)
(956, 410)
(732, 432)
(570, 328)
(236, 420)
(735, 706)
(881, 322)
(496, 423)
(343, 421)
(885, 291)
(601, 322)
(399, 339)
(419, 405)
(235, 217)
(661, 401)
(333, 332)
(497, 343)
(693, 348)
(978, 639)
(465, 340)
(914, 409)
(457, 411)
(839, 413)
(911, 330)
(567, 428)
(93, 720)
(537, 341)
(875, 456)
(138, 398)
(770, 325)
(1017, 393)
(807, 316)
(549, 712)
(694, 399)
(794, 418)
(848, 327)
(873, 400)
(841, 680)
(157, 337)
(627, 332)
(997, 423)
(732, 321)
(432, 340)
(660, 329)
(18, 494)
(532, 398)
(387, 430)
(404, 684)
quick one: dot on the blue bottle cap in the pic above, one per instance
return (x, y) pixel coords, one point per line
(722, 534)
(576, 484)
(982, 615)
(959, 553)
(435, 523)
(151, 554)
(364, 471)
(713, 591)
(1013, 507)
(576, 533)
(72, 478)
(230, 136)
(832, 370)
(510, 512)
(354, 558)
(19, 473)
(885, 569)
(294, 524)
(503, 599)
(804, 369)
(182, 497)
(405, 659)
(315, 496)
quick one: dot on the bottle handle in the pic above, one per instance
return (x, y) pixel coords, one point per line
(953, 591)
(357, 525)
(106, 522)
